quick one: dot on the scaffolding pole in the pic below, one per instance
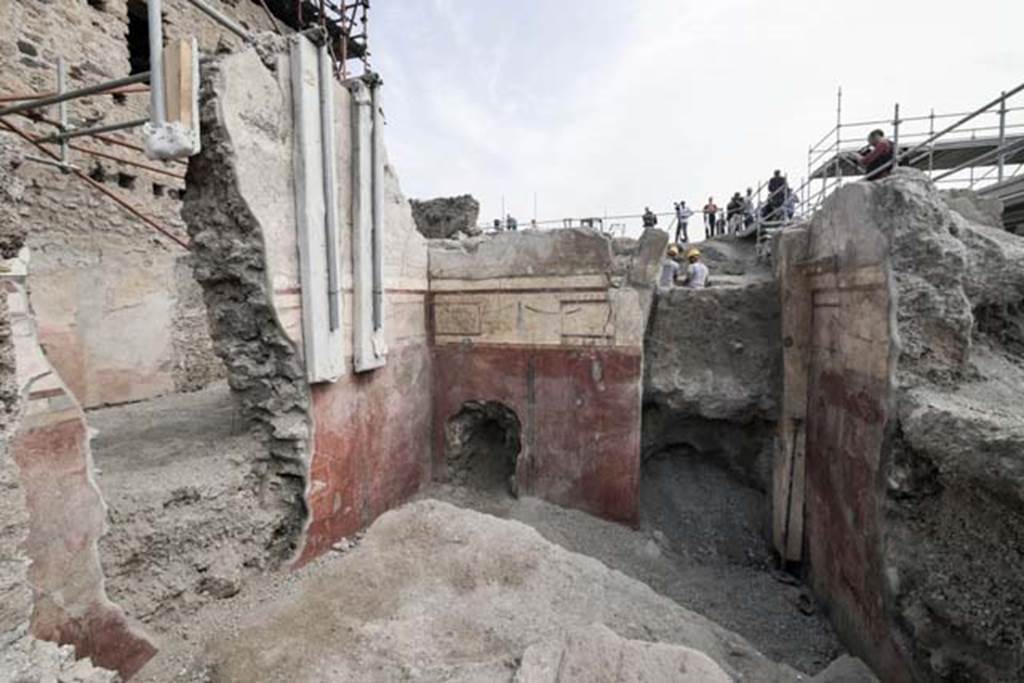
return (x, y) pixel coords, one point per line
(77, 133)
(157, 105)
(222, 20)
(62, 108)
(1001, 161)
(72, 94)
(97, 186)
(896, 135)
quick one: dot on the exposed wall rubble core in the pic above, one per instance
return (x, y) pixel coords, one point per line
(447, 217)
(264, 365)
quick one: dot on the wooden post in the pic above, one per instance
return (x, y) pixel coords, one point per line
(788, 486)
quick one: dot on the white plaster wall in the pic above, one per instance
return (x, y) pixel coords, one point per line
(258, 116)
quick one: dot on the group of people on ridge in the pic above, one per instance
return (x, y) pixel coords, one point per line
(876, 161)
(738, 214)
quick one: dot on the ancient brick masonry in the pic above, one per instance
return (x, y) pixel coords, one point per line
(100, 279)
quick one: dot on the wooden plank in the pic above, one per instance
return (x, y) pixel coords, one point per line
(178, 82)
(797, 489)
(788, 491)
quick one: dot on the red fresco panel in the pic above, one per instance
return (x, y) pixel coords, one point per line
(579, 408)
(371, 446)
(846, 433)
(65, 520)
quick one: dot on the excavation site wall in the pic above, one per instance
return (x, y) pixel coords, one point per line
(549, 325)
(341, 452)
(837, 319)
(712, 367)
(119, 313)
(50, 576)
(902, 327)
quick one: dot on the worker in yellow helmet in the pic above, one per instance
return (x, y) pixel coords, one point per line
(696, 275)
(669, 268)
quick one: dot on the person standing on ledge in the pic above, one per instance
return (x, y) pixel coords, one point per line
(777, 189)
(710, 214)
(734, 213)
(748, 208)
(650, 220)
(696, 276)
(683, 213)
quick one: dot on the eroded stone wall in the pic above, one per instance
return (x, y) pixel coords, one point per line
(15, 594)
(52, 513)
(447, 217)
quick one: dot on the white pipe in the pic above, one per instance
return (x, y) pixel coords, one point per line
(377, 241)
(326, 82)
(158, 111)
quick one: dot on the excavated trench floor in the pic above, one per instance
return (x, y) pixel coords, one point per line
(186, 534)
(184, 526)
(701, 542)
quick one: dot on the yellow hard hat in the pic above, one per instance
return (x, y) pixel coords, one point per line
(673, 250)
(692, 252)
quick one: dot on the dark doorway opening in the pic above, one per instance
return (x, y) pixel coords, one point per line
(482, 445)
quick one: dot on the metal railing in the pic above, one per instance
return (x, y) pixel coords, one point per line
(957, 149)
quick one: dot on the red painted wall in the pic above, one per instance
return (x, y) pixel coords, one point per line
(847, 423)
(579, 408)
(371, 446)
(66, 517)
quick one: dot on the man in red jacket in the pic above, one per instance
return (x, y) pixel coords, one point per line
(878, 154)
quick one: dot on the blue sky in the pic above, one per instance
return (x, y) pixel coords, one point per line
(610, 106)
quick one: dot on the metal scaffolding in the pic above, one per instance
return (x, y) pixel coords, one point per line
(982, 149)
(343, 22)
(30, 105)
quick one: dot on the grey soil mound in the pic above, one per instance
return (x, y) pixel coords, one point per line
(434, 592)
(701, 543)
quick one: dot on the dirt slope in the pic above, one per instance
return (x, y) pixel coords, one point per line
(435, 592)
